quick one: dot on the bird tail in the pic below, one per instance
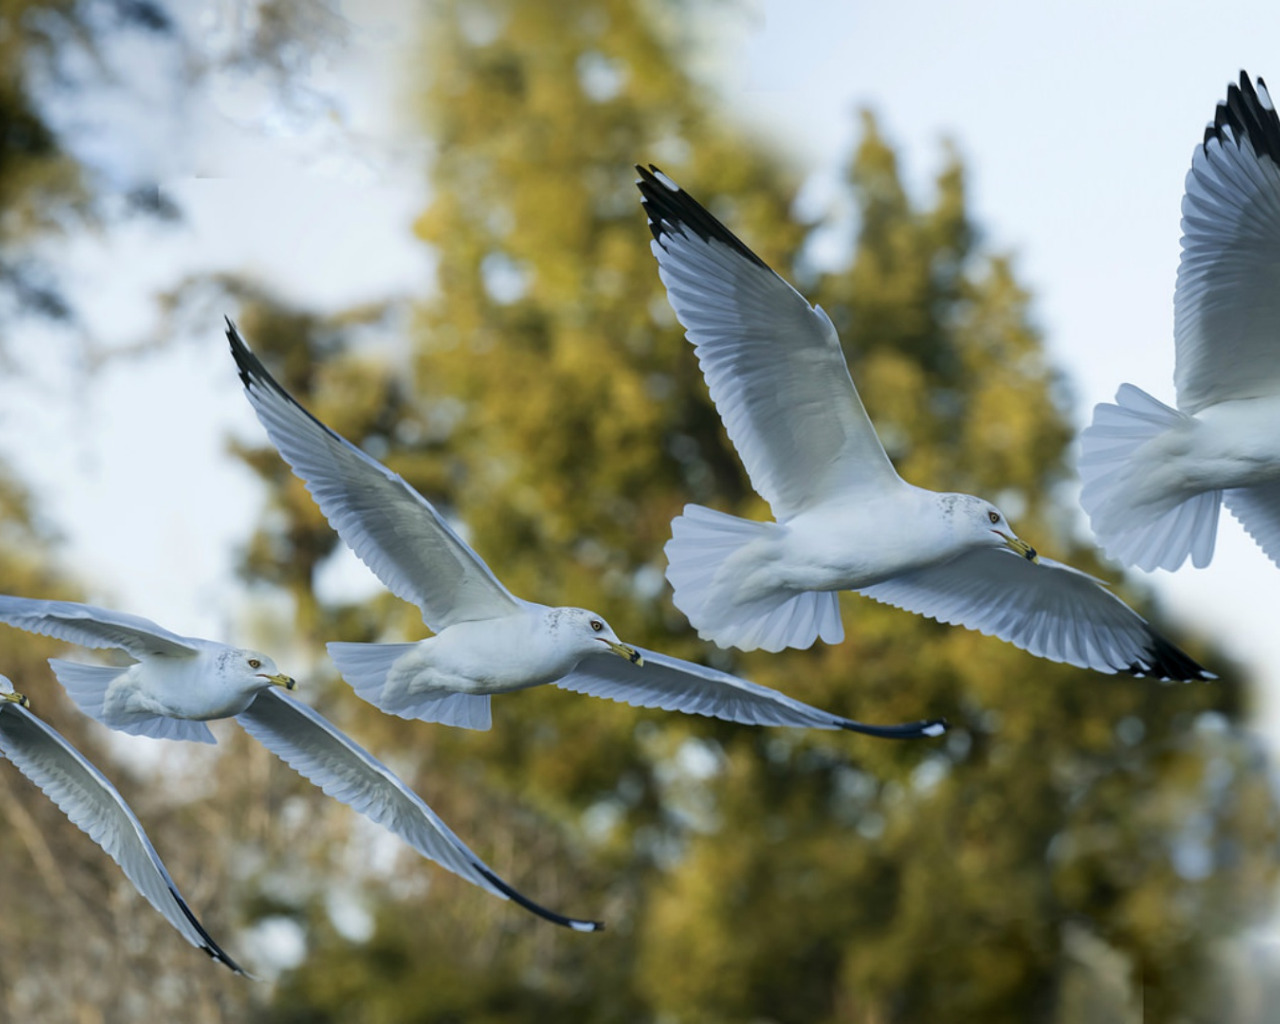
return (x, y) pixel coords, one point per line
(87, 685)
(709, 565)
(1140, 520)
(383, 674)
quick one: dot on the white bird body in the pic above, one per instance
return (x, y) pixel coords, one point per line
(845, 519)
(1155, 477)
(824, 548)
(195, 688)
(179, 683)
(499, 655)
(487, 640)
(1228, 445)
(1237, 443)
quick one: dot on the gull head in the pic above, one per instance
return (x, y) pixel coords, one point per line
(250, 671)
(988, 527)
(8, 693)
(589, 633)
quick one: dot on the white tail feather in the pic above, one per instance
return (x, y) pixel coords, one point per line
(1137, 521)
(462, 710)
(367, 668)
(708, 581)
(87, 685)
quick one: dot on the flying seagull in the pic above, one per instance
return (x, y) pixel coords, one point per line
(845, 520)
(178, 683)
(1154, 477)
(487, 640)
(96, 807)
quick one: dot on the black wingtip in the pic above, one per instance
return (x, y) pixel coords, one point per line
(572, 923)
(209, 946)
(246, 362)
(1162, 660)
(930, 728)
(1249, 113)
(670, 208)
(252, 372)
(255, 377)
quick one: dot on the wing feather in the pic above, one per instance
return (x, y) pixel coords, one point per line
(392, 528)
(320, 752)
(676, 685)
(1047, 608)
(1227, 300)
(88, 626)
(772, 362)
(96, 807)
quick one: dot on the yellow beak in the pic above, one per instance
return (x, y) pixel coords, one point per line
(623, 651)
(1021, 547)
(17, 698)
(288, 682)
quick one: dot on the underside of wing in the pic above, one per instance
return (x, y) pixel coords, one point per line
(772, 362)
(95, 806)
(1258, 509)
(675, 685)
(88, 626)
(1045, 608)
(314, 748)
(390, 526)
(1227, 301)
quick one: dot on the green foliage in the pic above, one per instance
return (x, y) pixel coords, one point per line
(554, 408)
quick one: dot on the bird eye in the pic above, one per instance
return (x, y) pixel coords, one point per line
(994, 516)
(597, 625)
(255, 663)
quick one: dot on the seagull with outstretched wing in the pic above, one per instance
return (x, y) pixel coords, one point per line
(178, 683)
(486, 640)
(844, 519)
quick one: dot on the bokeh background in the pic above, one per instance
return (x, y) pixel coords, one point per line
(422, 216)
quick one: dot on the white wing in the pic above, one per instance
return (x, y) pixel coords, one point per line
(391, 527)
(772, 362)
(88, 626)
(1258, 509)
(675, 685)
(314, 748)
(1050, 609)
(95, 806)
(1227, 301)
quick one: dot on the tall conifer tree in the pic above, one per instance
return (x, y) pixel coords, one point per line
(554, 408)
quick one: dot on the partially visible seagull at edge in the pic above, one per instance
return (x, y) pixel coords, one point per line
(96, 807)
(845, 520)
(1155, 477)
(486, 640)
(178, 683)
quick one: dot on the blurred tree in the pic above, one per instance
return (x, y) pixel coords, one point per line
(1072, 826)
